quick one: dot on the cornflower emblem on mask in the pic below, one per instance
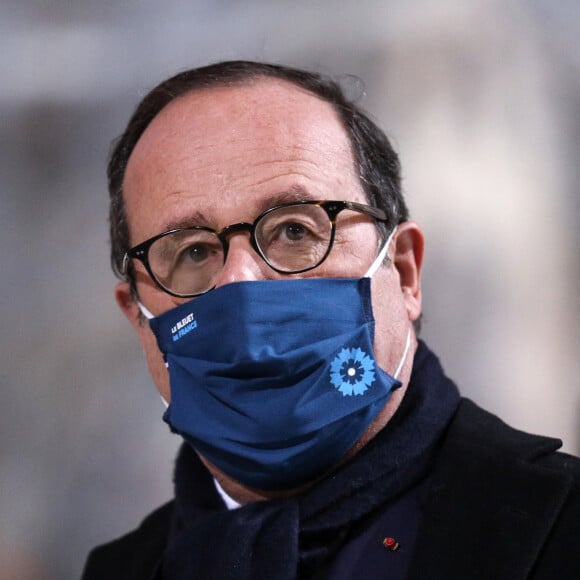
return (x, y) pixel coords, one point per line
(352, 371)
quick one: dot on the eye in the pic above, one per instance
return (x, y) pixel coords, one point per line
(294, 237)
(200, 250)
(196, 253)
(291, 234)
(288, 226)
(293, 231)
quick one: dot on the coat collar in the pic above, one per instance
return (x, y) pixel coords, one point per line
(491, 504)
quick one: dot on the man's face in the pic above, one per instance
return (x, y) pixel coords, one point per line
(221, 156)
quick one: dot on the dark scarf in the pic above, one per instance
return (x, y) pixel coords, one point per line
(283, 540)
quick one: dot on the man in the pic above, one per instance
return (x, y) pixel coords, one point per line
(272, 275)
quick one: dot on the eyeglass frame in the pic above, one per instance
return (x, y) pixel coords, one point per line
(331, 207)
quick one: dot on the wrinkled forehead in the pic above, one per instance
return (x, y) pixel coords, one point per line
(217, 116)
(229, 139)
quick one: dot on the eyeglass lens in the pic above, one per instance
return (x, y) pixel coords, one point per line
(290, 238)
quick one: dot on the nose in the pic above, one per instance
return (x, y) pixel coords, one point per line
(243, 262)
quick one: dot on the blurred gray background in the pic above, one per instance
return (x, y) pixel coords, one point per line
(481, 98)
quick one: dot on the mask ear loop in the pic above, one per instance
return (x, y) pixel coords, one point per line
(371, 271)
(144, 311)
(381, 257)
(149, 316)
(404, 357)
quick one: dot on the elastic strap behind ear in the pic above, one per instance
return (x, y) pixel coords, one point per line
(381, 257)
(144, 311)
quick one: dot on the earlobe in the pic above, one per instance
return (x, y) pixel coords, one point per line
(408, 260)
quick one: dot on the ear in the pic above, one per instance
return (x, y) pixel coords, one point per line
(128, 305)
(155, 362)
(408, 260)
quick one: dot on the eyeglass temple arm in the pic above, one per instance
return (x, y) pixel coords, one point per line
(367, 209)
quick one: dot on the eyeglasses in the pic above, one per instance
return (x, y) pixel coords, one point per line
(291, 238)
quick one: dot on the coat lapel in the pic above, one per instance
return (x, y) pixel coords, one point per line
(490, 506)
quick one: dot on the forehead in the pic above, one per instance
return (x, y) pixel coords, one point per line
(234, 146)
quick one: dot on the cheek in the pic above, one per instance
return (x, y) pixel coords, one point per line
(155, 363)
(356, 246)
(391, 322)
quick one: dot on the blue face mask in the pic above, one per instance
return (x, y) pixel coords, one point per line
(274, 381)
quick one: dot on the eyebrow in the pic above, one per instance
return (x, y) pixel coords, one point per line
(195, 218)
(294, 193)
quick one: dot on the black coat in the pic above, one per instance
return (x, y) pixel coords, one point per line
(502, 505)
